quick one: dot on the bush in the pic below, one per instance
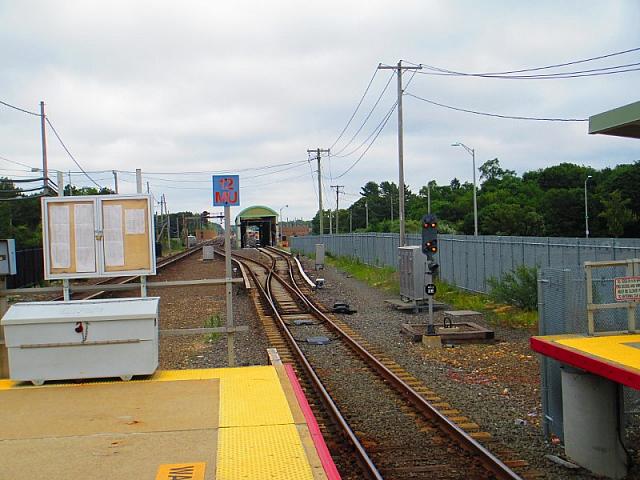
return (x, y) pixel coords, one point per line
(518, 288)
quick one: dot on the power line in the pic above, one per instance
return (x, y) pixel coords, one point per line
(559, 75)
(366, 119)
(23, 180)
(355, 111)
(546, 67)
(16, 163)
(23, 198)
(486, 114)
(19, 109)
(373, 132)
(69, 153)
(384, 123)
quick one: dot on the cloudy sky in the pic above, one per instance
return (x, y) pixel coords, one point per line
(183, 90)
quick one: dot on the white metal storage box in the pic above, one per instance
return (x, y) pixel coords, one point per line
(82, 339)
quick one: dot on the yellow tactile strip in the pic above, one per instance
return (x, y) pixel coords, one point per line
(612, 348)
(259, 452)
(252, 399)
(257, 437)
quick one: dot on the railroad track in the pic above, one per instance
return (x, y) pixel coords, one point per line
(395, 426)
(164, 262)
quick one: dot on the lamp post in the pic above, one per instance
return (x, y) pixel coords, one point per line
(472, 152)
(280, 222)
(586, 208)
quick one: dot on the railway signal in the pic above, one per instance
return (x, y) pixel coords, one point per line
(429, 235)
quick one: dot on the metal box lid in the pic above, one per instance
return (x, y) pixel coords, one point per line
(79, 310)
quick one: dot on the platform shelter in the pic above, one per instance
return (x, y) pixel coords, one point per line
(257, 226)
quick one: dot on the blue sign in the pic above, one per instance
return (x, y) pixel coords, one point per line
(226, 190)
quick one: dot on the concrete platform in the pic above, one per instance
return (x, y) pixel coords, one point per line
(615, 357)
(249, 423)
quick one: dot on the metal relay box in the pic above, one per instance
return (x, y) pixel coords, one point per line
(414, 274)
(319, 256)
(8, 257)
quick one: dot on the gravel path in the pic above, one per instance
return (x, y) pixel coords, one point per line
(194, 307)
(496, 385)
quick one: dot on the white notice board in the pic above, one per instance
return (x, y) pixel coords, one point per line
(98, 236)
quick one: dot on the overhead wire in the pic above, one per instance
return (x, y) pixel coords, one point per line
(547, 67)
(382, 125)
(366, 90)
(373, 132)
(366, 119)
(19, 109)
(559, 75)
(487, 114)
(70, 154)
(16, 163)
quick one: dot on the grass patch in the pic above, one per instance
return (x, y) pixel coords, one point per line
(495, 313)
(387, 279)
(213, 321)
(384, 278)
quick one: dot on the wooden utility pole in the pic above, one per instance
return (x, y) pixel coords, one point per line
(318, 151)
(337, 187)
(399, 68)
(366, 214)
(45, 165)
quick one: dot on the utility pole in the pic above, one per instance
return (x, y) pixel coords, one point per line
(45, 165)
(366, 214)
(428, 198)
(115, 180)
(391, 198)
(337, 187)
(350, 220)
(399, 68)
(318, 151)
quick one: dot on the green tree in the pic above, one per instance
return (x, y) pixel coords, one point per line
(617, 213)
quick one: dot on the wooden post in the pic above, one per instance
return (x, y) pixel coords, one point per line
(589, 281)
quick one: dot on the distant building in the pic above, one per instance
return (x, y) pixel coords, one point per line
(295, 231)
(203, 235)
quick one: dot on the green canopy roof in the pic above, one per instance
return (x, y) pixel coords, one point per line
(620, 122)
(255, 211)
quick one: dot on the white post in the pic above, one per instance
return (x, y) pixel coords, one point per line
(66, 293)
(143, 278)
(229, 285)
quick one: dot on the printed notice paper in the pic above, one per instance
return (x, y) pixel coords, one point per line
(59, 242)
(85, 237)
(134, 221)
(113, 238)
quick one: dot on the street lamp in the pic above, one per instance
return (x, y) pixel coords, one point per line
(472, 152)
(586, 208)
(280, 221)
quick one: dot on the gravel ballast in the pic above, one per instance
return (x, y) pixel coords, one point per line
(496, 385)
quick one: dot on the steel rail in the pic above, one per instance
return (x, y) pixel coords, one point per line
(488, 460)
(361, 454)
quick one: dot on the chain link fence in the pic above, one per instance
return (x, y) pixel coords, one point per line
(562, 308)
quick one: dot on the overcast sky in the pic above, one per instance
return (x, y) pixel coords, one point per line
(211, 87)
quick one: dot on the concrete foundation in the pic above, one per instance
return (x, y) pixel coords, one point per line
(592, 423)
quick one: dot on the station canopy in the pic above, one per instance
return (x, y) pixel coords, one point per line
(255, 212)
(257, 218)
(620, 122)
